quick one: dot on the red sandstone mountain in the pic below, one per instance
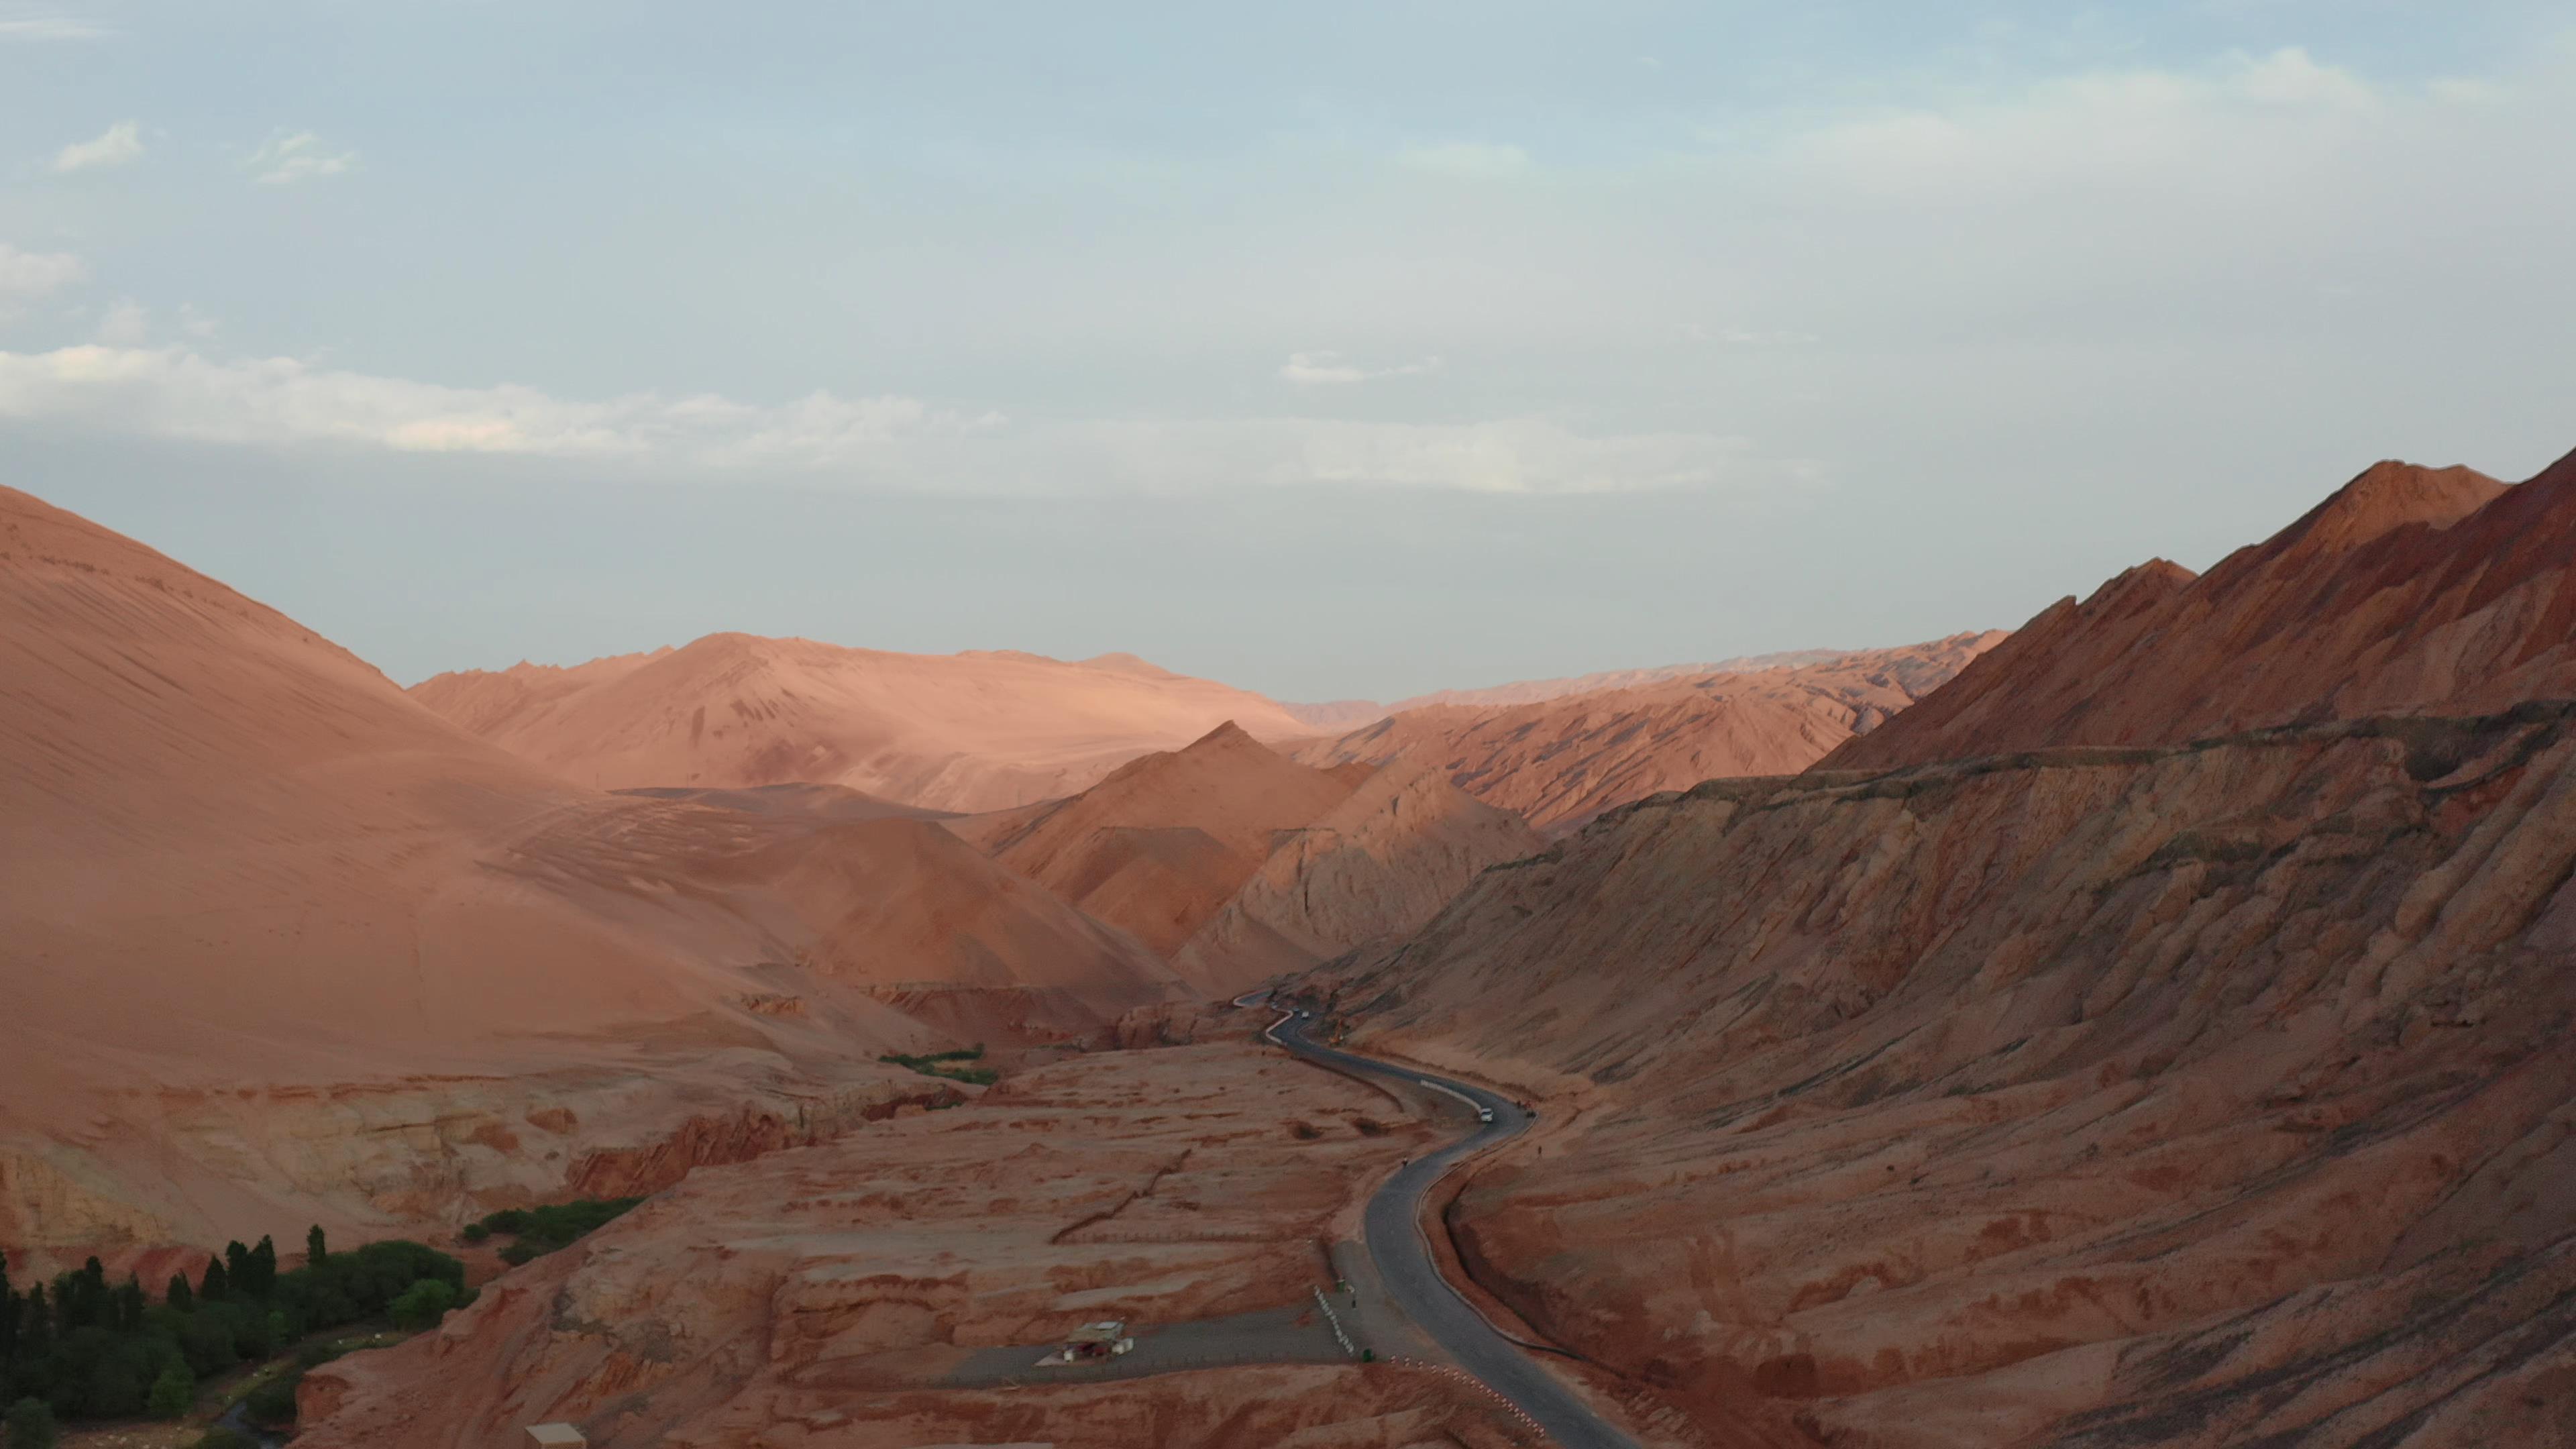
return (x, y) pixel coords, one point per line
(964, 732)
(279, 943)
(2193, 1094)
(1561, 759)
(1378, 865)
(2411, 590)
(1161, 845)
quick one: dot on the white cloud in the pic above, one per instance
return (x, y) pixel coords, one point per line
(25, 276)
(1509, 455)
(196, 323)
(892, 441)
(285, 159)
(51, 27)
(1314, 369)
(2117, 128)
(118, 145)
(174, 392)
(1474, 159)
(125, 324)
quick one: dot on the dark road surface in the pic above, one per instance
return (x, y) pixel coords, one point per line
(1404, 1260)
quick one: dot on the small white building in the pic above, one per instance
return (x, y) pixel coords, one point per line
(555, 1436)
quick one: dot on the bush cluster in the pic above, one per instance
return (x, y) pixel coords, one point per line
(541, 1230)
(947, 1064)
(91, 1350)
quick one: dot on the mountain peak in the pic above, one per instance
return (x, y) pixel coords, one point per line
(2385, 496)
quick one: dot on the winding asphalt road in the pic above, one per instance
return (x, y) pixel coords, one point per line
(1404, 1261)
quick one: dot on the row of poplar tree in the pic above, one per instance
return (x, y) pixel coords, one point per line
(91, 1349)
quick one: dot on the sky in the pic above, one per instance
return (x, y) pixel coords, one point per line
(1334, 350)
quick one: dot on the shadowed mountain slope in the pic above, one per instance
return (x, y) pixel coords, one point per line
(2410, 590)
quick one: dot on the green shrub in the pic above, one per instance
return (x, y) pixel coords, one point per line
(31, 1425)
(274, 1402)
(424, 1303)
(172, 1393)
(521, 1252)
(221, 1438)
(476, 1232)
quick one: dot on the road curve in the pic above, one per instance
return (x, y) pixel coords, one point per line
(1404, 1262)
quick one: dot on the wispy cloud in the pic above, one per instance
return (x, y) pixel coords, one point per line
(119, 145)
(25, 276)
(125, 323)
(51, 27)
(176, 392)
(890, 441)
(286, 159)
(1326, 369)
(1479, 160)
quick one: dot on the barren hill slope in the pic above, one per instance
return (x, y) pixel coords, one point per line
(1560, 760)
(1379, 865)
(965, 732)
(279, 943)
(2199, 1094)
(2410, 589)
(1165, 841)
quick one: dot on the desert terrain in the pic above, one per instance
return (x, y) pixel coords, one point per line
(1559, 752)
(2142, 1028)
(899, 1288)
(283, 945)
(970, 732)
(2208, 1088)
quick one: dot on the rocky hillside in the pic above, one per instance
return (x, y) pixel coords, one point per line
(1379, 865)
(2203, 1092)
(2192, 1095)
(279, 944)
(1163, 843)
(1559, 760)
(979, 731)
(2411, 589)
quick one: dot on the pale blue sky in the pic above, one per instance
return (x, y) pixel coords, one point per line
(1329, 349)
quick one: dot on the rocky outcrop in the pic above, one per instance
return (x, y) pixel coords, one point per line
(1559, 759)
(825, 1296)
(1378, 866)
(1165, 841)
(2193, 1094)
(2436, 591)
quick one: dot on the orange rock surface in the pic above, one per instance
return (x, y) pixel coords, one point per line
(2198, 1094)
(819, 1296)
(1161, 845)
(2410, 590)
(283, 945)
(1376, 866)
(1560, 759)
(979, 731)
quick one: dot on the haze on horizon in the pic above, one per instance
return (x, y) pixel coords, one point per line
(1354, 352)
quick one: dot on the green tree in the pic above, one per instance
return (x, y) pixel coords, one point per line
(423, 1303)
(217, 1285)
(172, 1393)
(315, 1251)
(237, 1269)
(129, 1305)
(36, 1333)
(31, 1425)
(10, 1308)
(179, 1294)
(263, 1269)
